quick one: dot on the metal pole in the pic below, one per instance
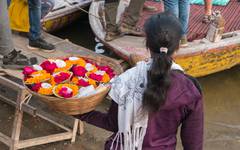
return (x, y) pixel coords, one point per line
(6, 43)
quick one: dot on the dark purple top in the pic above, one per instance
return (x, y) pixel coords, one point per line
(183, 108)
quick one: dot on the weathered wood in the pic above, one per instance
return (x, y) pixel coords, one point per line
(74, 132)
(44, 140)
(81, 128)
(5, 139)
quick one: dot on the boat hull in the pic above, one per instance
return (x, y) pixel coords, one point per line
(61, 17)
(201, 58)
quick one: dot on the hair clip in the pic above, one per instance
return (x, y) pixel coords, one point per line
(163, 50)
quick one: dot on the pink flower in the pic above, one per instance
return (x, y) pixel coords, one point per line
(28, 71)
(79, 71)
(49, 66)
(83, 83)
(96, 77)
(62, 76)
(36, 87)
(111, 75)
(107, 69)
(65, 93)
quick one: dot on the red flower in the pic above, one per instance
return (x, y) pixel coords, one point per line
(28, 71)
(83, 83)
(49, 66)
(79, 71)
(65, 93)
(62, 76)
(36, 87)
(96, 77)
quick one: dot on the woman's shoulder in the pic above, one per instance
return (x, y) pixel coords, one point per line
(182, 90)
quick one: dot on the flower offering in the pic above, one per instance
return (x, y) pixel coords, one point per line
(65, 77)
(66, 90)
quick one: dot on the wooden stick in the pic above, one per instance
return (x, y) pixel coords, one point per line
(74, 132)
(81, 128)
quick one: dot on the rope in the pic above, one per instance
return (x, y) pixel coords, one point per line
(26, 100)
(83, 10)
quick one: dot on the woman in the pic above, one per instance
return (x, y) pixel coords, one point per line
(154, 98)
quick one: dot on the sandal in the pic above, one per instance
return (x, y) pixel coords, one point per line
(131, 30)
(112, 36)
(207, 19)
(16, 60)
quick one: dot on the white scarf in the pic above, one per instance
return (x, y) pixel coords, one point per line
(127, 91)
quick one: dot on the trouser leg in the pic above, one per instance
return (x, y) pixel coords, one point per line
(171, 6)
(34, 19)
(111, 7)
(184, 10)
(133, 12)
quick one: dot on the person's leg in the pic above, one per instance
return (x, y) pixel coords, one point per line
(34, 19)
(133, 12)
(131, 17)
(207, 11)
(184, 11)
(35, 40)
(110, 8)
(171, 6)
(208, 7)
(46, 7)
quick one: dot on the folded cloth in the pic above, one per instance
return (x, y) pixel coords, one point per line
(19, 8)
(214, 2)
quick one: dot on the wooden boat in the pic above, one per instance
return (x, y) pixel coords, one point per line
(63, 13)
(201, 57)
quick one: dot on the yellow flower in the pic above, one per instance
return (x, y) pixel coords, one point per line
(37, 77)
(45, 91)
(105, 78)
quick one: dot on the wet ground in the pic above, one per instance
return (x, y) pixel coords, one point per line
(221, 101)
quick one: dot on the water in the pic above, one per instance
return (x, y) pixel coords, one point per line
(221, 95)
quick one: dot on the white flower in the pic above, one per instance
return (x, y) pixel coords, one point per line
(46, 85)
(37, 67)
(86, 91)
(89, 67)
(60, 63)
(99, 72)
(73, 58)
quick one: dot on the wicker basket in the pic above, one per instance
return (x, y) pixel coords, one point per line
(74, 106)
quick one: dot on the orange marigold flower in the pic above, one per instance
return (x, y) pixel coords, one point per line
(67, 67)
(37, 77)
(73, 87)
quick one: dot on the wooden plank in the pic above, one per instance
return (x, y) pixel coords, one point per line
(17, 123)
(74, 132)
(81, 128)
(5, 139)
(44, 140)
(11, 84)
